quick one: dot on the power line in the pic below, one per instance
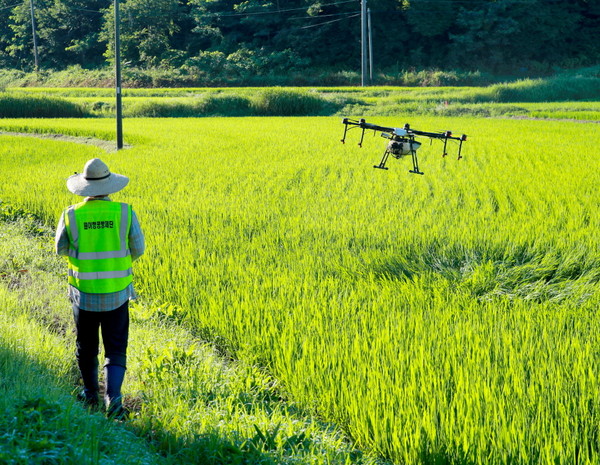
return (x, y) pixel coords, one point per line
(270, 12)
(224, 14)
(321, 16)
(329, 22)
(10, 7)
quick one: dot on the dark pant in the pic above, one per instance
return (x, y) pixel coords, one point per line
(115, 333)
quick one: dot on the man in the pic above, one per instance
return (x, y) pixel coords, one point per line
(101, 239)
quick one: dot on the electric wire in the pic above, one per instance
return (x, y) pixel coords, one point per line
(223, 14)
(322, 16)
(329, 22)
(10, 6)
(270, 12)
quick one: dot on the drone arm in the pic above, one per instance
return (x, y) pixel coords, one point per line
(364, 126)
(438, 135)
(348, 122)
(375, 127)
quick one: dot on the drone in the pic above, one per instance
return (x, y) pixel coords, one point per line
(401, 141)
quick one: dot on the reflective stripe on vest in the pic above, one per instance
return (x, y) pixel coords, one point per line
(99, 255)
(100, 274)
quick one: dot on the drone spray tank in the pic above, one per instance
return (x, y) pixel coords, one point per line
(400, 146)
(401, 143)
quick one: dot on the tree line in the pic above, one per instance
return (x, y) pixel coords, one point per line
(265, 37)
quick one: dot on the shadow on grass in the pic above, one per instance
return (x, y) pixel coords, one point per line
(41, 423)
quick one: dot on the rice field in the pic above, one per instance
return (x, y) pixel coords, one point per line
(552, 99)
(444, 318)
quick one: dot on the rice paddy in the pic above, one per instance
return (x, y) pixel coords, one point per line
(444, 318)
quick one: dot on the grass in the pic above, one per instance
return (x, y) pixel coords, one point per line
(189, 403)
(75, 76)
(449, 318)
(28, 106)
(40, 421)
(529, 97)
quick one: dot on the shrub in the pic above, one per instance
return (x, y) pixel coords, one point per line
(39, 107)
(225, 105)
(574, 87)
(283, 102)
(159, 109)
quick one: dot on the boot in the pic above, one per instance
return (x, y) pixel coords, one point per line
(89, 375)
(114, 374)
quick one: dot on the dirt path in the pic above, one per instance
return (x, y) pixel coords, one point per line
(108, 146)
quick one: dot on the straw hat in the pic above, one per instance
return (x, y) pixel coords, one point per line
(96, 179)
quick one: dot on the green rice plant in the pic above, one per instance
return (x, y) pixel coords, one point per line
(38, 107)
(209, 105)
(189, 405)
(384, 100)
(444, 318)
(284, 102)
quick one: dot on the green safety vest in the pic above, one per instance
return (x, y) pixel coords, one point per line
(99, 255)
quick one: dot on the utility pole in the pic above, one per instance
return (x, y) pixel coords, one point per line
(35, 47)
(119, 103)
(370, 46)
(363, 41)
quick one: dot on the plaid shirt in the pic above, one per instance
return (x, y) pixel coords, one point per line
(101, 302)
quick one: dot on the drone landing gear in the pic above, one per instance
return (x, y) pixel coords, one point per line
(386, 155)
(415, 169)
(383, 161)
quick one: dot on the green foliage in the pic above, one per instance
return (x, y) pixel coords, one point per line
(28, 220)
(225, 105)
(210, 105)
(30, 433)
(163, 109)
(40, 423)
(445, 318)
(526, 98)
(189, 406)
(283, 102)
(25, 106)
(223, 41)
(213, 69)
(549, 90)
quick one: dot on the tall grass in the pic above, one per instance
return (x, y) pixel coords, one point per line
(189, 404)
(75, 76)
(283, 102)
(545, 90)
(30, 106)
(492, 100)
(269, 102)
(40, 421)
(445, 318)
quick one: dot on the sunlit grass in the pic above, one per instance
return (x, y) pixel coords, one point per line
(446, 317)
(189, 404)
(567, 97)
